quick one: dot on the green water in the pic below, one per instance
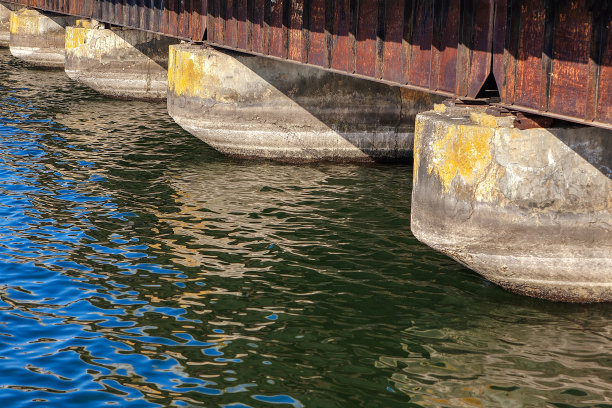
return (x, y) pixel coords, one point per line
(140, 268)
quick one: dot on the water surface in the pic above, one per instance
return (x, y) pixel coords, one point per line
(139, 268)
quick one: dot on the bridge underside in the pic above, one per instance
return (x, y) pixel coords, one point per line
(550, 57)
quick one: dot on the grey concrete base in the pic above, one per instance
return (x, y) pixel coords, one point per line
(121, 63)
(5, 20)
(38, 38)
(530, 210)
(251, 106)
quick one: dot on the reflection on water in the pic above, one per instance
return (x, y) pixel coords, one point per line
(140, 268)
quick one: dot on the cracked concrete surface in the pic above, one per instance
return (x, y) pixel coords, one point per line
(530, 210)
(251, 106)
(38, 37)
(121, 63)
(5, 20)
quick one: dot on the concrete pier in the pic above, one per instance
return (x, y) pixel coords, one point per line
(530, 210)
(38, 37)
(118, 62)
(5, 19)
(250, 106)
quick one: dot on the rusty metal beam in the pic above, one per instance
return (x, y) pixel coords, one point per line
(441, 46)
(551, 57)
(185, 19)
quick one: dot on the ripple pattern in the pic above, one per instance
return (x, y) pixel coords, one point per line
(139, 268)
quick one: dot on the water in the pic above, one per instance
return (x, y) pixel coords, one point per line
(139, 268)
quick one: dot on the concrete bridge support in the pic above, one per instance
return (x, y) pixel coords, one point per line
(250, 106)
(38, 37)
(118, 62)
(530, 210)
(5, 18)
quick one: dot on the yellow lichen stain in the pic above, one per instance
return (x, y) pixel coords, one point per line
(463, 150)
(438, 107)
(419, 128)
(184, 72)
(193, 73)
(484, 119)
(24, 22)
(86, 23)
(75, 37)
(13, 24)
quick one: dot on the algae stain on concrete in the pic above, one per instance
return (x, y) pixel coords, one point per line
(26, 25)
(13, 24)
(194, 73)
(184, 73)
(463, 150)
(419, 130)
(75, 38)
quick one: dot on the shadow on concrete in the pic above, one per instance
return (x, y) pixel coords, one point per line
(347, 105)
(593, 144)
(155, 47)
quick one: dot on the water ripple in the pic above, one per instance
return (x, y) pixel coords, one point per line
(139, 268)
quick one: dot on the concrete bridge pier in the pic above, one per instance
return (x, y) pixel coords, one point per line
(249, 106)
(118, 62)
(38, 37)
(530, 210)
(5, 18)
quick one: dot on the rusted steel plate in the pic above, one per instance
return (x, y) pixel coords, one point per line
(547, 56)
(500, 53)
(185, 19)
(421, 44)
(214, 21)
(341, 39)
(443, 46)
(296, 35)
(242, 24)
(569, 73)
(603, 100)
(367, 25)
(257, 25)
(229, 19)
(393, 39)
(529, 80)
(480, 43)
(439, 45)
(554, 58)
(316, 46)
(446, 42)
(276, 40)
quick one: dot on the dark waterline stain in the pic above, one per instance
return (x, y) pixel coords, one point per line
(139, 268)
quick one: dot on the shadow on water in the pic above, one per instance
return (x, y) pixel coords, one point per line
(138, 267)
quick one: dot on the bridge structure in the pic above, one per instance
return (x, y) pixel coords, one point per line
(512, 173)
(550, 57)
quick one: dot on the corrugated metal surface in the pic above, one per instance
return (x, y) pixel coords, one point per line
(554, 57)
(178, 18)
(551, 57)
(442, 46)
